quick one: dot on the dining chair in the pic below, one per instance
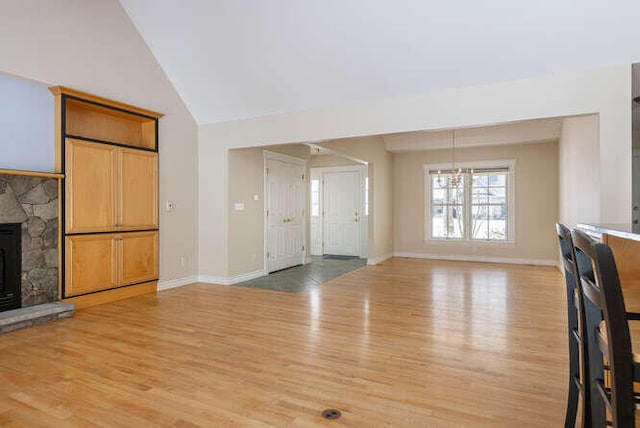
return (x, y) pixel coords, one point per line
(578, 356)
(607, 336)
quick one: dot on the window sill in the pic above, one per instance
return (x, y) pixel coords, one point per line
(477, 242)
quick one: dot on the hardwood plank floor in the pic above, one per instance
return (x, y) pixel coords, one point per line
(405, 343)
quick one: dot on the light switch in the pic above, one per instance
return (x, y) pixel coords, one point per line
(169, 206)
(255, 197)
(238, 206)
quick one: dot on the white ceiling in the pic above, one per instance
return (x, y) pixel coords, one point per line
(235, 59)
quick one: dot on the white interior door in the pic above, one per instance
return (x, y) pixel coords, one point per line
(342, 216)
(285, 214)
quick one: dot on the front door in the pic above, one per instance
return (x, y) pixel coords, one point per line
(285, 214)
(341, 206)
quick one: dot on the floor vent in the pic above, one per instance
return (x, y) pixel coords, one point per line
(331, 414)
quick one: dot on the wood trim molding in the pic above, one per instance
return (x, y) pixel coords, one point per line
(31, 173)
(115, 294)
(59, 90)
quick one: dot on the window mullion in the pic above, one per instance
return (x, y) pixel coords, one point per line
(467, 207)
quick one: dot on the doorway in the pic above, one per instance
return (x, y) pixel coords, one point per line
(285, 197)
(338, 211)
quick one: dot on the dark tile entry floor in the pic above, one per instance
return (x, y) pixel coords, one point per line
(299, 278)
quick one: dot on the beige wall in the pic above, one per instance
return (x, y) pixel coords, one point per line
(606, 91)
(380, 170)
(321, 161)
(246, 228)
(93, 46)
(536, 203)
(579, 160)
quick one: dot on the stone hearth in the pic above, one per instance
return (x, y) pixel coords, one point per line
(33, 202)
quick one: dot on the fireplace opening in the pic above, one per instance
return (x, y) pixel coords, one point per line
(10, 266)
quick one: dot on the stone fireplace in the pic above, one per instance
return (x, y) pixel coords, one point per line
(32, 202)
(10, 266)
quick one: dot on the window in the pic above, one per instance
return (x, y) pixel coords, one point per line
(315, 198)
(479, 208)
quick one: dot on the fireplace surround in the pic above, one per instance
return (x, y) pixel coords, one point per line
(10, 266)
(29, 250)
(32, 204)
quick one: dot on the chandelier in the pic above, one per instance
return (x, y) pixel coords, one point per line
(454, 178)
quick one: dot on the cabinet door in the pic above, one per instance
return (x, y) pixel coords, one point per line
(90, 263)
(138, 254)
(138, 190)
(90, 186)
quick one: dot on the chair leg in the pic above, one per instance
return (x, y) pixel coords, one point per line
(572, 404)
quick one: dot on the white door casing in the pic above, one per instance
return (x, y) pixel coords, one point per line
(342, 212)
(285, 196)
(635, 187)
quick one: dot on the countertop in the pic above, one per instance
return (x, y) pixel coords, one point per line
(621, 230)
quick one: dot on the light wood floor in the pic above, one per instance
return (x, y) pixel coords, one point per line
(405, 343)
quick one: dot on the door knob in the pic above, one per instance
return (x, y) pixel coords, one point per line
(355, 219)
(635, 222)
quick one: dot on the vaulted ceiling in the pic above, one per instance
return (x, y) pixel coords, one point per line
(235, 59)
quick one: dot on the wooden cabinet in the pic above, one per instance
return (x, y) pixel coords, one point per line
(138, 190)
(109, 188)
(108, 152)
(138, 254)
(90, 264)
(103, 261)
(90, 184)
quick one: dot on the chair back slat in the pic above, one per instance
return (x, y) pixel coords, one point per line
(603, 301)
(578, 357)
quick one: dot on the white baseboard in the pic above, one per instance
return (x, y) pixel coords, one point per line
(230, 280)
(208, 279)
(379, 259)
(173, 283)
(465, 258)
